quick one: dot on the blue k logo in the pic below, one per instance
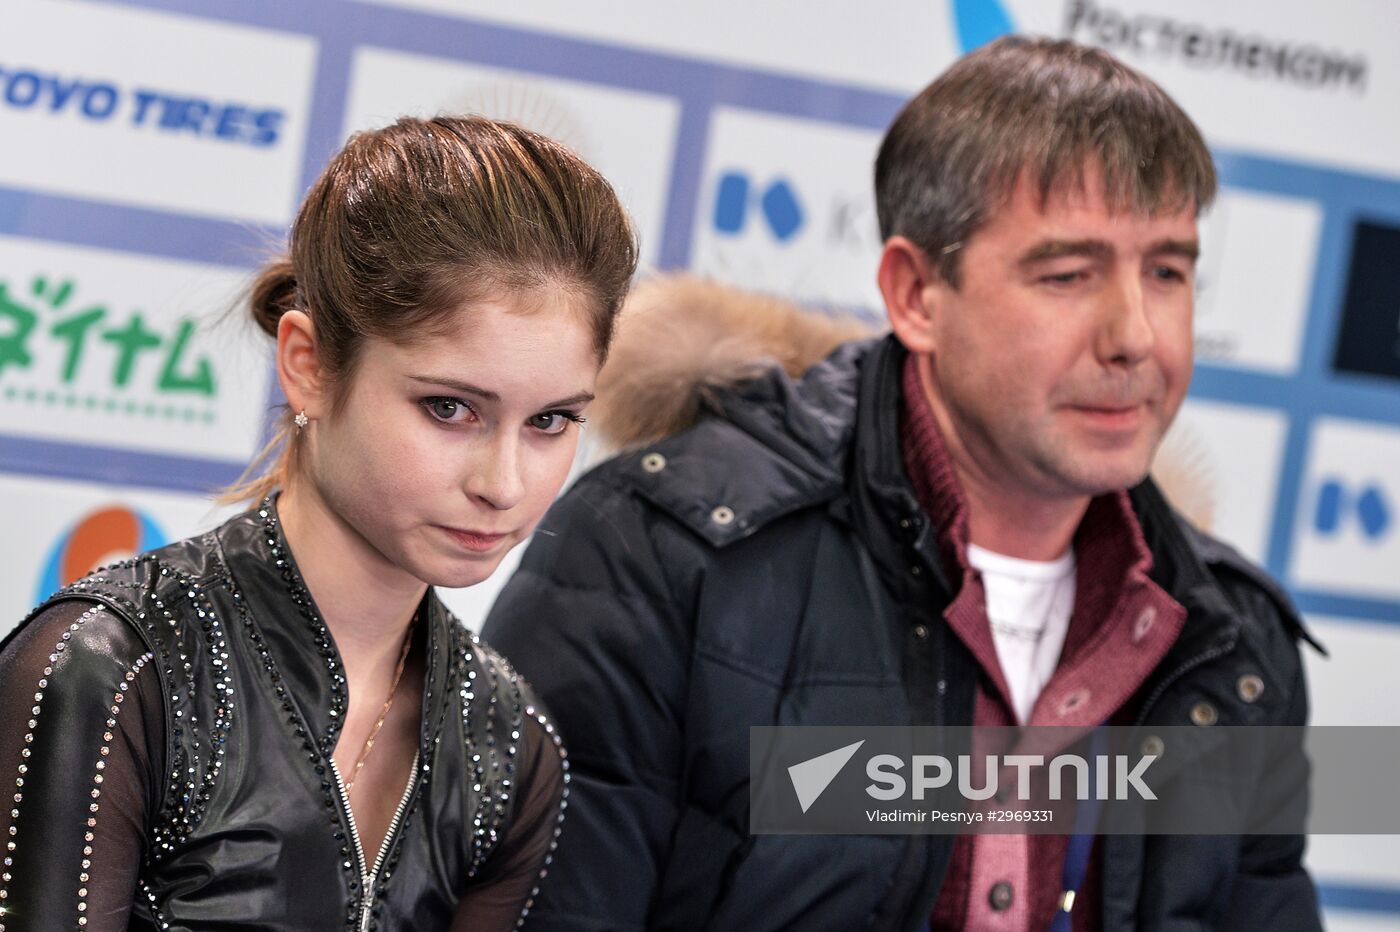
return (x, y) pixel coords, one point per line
(778, 203)
(1335, 499)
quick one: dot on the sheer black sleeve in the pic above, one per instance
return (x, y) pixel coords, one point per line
(81, 736)
(516, 868)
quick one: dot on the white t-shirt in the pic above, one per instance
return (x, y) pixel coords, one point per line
(1029, 603)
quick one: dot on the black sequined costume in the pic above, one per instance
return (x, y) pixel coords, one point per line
(166, 736)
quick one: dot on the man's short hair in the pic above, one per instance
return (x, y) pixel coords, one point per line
(1039, 108)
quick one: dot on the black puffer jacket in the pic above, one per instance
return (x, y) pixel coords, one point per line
(759, 569)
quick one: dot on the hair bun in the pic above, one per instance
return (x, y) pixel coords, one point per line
(274, 294)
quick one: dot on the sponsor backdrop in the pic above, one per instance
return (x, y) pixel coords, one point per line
(156, 149)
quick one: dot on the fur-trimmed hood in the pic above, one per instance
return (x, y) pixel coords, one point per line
(680, 338)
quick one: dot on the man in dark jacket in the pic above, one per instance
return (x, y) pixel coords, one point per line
(949, 525)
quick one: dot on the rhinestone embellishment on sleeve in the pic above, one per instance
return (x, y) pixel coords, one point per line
(102, 753)
(12, 833)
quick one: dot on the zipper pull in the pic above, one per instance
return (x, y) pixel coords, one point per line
(366, 901)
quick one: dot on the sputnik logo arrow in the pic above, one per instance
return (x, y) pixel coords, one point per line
(811, 777)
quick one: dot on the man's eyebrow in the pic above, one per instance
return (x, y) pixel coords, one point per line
(1186, 248)
(466, 388)
(1098, 249)
(1059, 248)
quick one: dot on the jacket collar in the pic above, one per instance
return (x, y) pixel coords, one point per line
(294, 642)
(1212, 623)
(1188, 562)
(792, 439)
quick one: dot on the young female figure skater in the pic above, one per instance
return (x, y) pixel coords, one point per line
(277, 725)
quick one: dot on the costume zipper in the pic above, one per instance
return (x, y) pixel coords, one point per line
(369, 875)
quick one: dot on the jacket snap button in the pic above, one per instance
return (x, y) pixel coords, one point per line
(1145, 619)
(921, 631)
(1203, 713)
(1001, 896)
(915, 570)
(653, 462)
(1250, 686)
(1153, 746)
(722, 515)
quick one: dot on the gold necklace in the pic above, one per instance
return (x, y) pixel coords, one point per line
(384, 712)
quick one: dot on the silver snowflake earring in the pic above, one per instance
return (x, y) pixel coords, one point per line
(301, 420)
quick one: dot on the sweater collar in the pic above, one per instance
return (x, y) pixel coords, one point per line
(1109, 524)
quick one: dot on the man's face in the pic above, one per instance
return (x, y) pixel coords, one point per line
(1063, 356)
